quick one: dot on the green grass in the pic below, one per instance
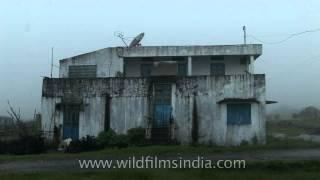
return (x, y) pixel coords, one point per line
(293, 170)
(166, 150)
(294, 127)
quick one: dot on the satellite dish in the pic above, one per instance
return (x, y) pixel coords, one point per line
(135, 42)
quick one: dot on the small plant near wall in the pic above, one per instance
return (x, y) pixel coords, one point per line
(88, 143)
(134, 137)
(107, 138)
(137, 136)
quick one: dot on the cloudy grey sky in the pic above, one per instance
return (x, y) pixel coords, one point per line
(29, 29)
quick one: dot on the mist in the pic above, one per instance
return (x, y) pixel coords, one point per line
(29, 29)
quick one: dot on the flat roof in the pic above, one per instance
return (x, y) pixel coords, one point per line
(197, 50)
(190, 50)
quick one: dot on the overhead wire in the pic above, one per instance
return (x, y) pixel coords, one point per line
(285, 39)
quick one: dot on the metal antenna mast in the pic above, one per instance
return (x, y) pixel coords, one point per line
(51, 61)
(244, 35)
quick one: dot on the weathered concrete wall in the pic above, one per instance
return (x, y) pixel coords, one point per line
(212, 116)
(130, 105)
(128, 112)
(107, 60)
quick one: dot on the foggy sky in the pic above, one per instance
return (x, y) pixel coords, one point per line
(29, 29)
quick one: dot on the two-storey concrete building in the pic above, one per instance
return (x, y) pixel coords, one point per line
(203, 94)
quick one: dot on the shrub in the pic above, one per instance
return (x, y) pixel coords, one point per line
(107, 138)
(23, 145)
(121, 141)
(88, 143)
(244, 143)
(136, 136)
(3, 147)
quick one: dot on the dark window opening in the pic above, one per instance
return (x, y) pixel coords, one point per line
(147, 59)
(178, 58)
(217, 69)
(244, 60)
(182, 69)
(217, 58)
(239, 114)
(146, 70)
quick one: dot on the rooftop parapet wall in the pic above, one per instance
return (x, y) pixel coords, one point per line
(153, 51)
(229, 86)
(91, 87)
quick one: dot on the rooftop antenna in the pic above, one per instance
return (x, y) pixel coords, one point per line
(244, 35)
(120, 35)
(136, 41)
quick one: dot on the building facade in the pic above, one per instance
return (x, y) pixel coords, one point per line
(187, 94)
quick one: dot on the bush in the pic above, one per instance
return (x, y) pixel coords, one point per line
(3, 147)
(121, 141)
(23, 145)
(107, 138)
(88, 143)
(111, 139)
(136, 136)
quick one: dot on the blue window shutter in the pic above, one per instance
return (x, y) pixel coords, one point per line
(238, 114)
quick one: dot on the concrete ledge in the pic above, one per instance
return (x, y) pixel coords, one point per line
(154, 51)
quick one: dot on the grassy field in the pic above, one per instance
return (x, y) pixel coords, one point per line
(272, 143)
(282, 170)
(294, 127)
(262, 170)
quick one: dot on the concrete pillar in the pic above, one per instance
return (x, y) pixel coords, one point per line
(189, 66)
(121, 65)
(251, 65)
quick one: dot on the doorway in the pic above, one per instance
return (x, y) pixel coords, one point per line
(162, 105)
(71, 122)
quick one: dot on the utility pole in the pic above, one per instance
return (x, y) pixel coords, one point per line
(51, 61)
(244, 35)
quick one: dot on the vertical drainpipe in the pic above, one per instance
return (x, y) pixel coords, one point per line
(189, 66)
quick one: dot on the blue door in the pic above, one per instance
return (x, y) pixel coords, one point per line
(71, 122)
(162, 105)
